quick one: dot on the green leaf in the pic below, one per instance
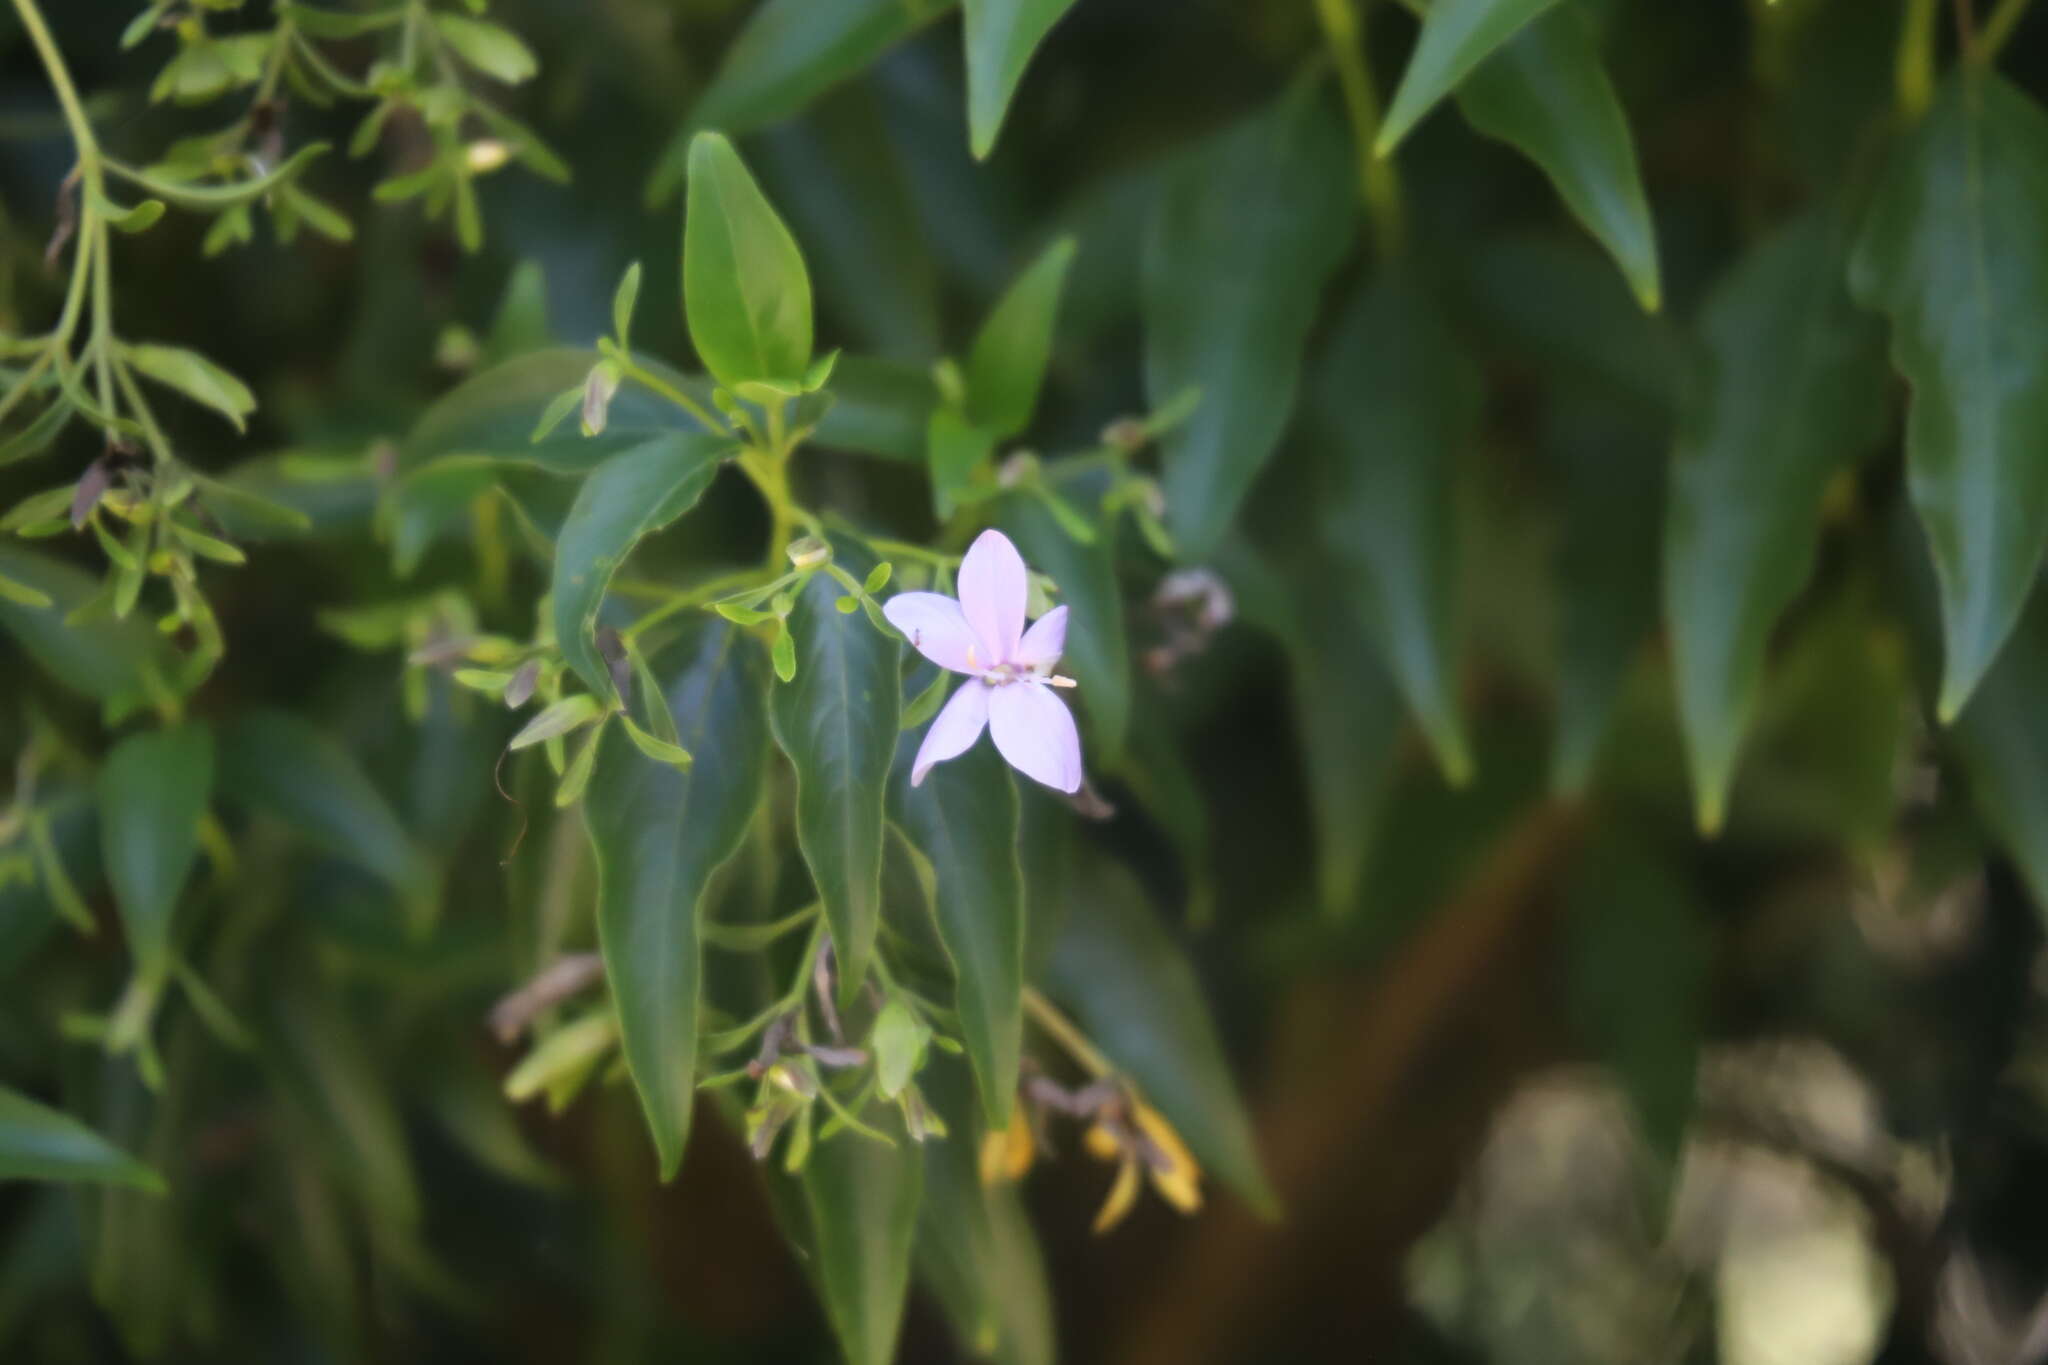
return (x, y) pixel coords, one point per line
(659, 832)
(277, 765)
(1396, 409)
(565, 716)
(1791, 393)
(963, 818)
(521, 323)
(1954, 249)
(745, 291)
(41, 1143)
(976, 1251)
(791, 52)
(119, 663)
(39, 433)
(1007, 365)
(1098, 653)
(1457, 35)
(196, 377)
(880, 407)
(623, 300)
(1135, 994)
(153, 791)
(1546, 93)
(1347, 715)
(2001, 742)
(492, 414)
(1638, 957)
(495, 51)
(22, 595)
(844, 187)
(961, 459)
(860, 1204)
(837, 721)
(1607, 569)
(1001, 36)
(625, 499)
(1242, 238)
(899, 1039)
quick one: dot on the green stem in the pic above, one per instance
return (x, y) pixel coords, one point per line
(1379, 183)
(1064, 1032)
(674, 395)
(67, 94)
(1998, 28)
(1914, 73)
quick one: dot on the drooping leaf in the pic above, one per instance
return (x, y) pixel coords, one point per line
(790, 52)
(1639, 955)
(1954, 250)
(1347, 715)
(1607, 567)
(41, 1143)
(1395, 409)
(976, 1251)
(119, 663)
(1135, 993)
(1001, 36)
(1546, 93)
(1098, 653)
(1007, 365)
(859, 1205)
(1241, 240)
(963, 817)
(837, 721)
(628, 497)
(276, 765)
(745, 291)
(660, 832)
(153, 791)
(1791, 392)
(1457, 35)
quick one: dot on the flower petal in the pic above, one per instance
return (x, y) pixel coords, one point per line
(1043, 644)
(935, 627)
(1035, 733)
(955, 729)
(993, 587)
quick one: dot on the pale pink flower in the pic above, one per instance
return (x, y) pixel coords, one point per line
(1009, 669)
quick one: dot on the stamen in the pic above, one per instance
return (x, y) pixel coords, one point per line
(1055, 680)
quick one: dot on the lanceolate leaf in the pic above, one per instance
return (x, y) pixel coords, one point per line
(628, 497)
(153, 791)
(660, 832)
(1954, 250)
(1001, 36)
(1241, 241)
(1639, 955)
(1396, 409)
(976, 1251)
(1457, 35)
(1546, 93)
(274, 764)
(2001, 739)
(1135, 993)
(745, 291)
(860, 1202)
(41, 1143)
(791, 52)
(1098, 654)
(964, 819)
(1007, 365)
(837, 721)
(1791, 391)
(116, 662)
